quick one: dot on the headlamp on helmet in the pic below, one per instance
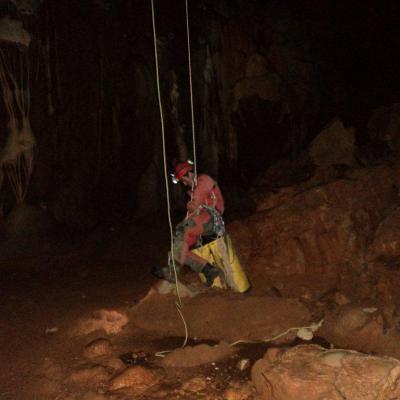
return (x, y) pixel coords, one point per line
(181, 169)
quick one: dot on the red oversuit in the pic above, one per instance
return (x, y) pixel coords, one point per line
(203, 219)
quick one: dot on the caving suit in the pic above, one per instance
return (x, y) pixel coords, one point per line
(203, 220)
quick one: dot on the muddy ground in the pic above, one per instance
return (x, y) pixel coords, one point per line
(84, 318)
(44, 296)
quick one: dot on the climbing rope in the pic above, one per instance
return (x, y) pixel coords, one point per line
(191, 93)
(302, 332)
(178, 303)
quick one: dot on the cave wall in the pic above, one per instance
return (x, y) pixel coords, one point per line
(266, 77)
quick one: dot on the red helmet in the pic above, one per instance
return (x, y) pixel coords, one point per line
(181, 169)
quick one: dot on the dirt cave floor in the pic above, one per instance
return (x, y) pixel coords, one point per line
(90, 323)
(44, 297)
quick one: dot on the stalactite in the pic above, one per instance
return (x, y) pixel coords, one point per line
(16, 157)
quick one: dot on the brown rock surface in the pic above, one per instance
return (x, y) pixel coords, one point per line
(319, 230)
(361, 328)
(109, 321)
(386, 244)
(137, 378)
(309, 372)
(98, 347)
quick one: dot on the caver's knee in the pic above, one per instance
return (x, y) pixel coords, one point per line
(178, 246)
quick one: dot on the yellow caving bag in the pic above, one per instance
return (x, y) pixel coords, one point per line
(221, 253)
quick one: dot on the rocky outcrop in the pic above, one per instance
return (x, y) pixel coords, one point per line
(318, 229)
(313, 373)
(362, 328)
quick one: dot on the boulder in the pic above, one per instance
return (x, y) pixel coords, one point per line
(319, 230)
(362, 328)
(310, 372)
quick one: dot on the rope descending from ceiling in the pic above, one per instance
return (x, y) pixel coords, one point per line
(178, 302)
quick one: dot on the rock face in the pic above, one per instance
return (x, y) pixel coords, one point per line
(386, 245)
(318, 230)
(366, 329)
(309, 372)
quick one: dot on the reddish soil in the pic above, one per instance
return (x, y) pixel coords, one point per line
(43, 297)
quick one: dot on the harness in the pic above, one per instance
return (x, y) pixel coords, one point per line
(218, 222)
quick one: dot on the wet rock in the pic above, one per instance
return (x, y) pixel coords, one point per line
(313, 373)
(197, 355)
(98, 347)
(138, 379)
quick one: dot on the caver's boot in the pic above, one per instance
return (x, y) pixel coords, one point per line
(166, 273)
(210, 272)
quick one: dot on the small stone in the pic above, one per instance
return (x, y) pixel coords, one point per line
(115, 364)
(243, 364)
(305, 334)
(98, 347)
(138, 378)
(193, 385)
(110, 321)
